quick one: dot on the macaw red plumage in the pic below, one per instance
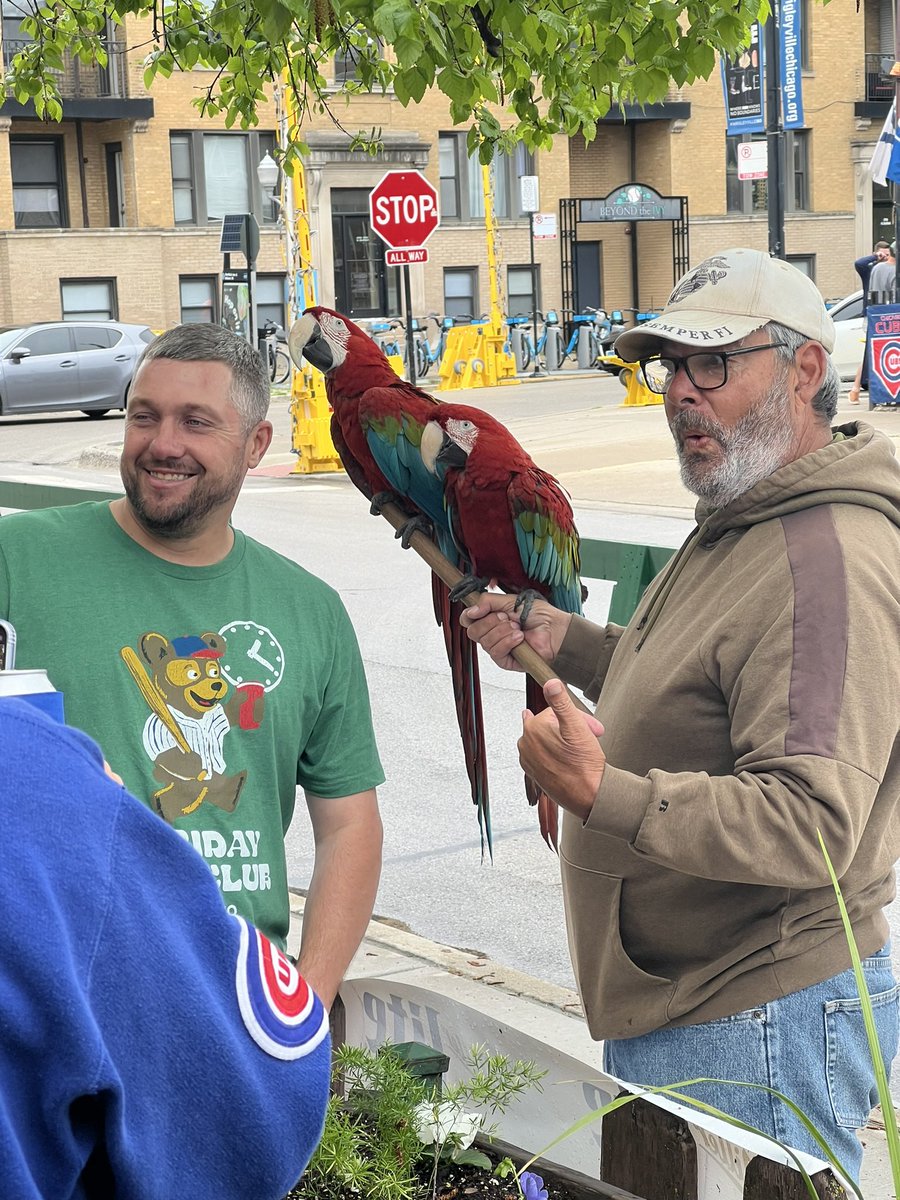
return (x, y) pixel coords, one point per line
(514, 524)
(357, 375)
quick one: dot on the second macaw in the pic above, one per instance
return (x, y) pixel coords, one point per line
(514, 524)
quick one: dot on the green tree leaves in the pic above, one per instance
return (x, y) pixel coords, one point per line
(555, 65)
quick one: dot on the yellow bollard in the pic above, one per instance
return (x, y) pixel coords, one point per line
(631, 378)
(311, 429)
(474, 357)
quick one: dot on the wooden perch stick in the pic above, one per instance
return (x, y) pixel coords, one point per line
(445, 570)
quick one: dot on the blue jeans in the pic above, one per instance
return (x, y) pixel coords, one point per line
(810, 1045)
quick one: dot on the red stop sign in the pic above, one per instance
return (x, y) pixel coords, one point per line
(403, 207)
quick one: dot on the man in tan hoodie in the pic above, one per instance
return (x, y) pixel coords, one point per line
(750, 705)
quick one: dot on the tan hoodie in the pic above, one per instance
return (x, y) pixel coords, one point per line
(752, 699)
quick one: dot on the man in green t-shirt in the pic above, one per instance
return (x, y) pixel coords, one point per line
(216, 674)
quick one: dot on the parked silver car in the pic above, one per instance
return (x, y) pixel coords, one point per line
(60, 365)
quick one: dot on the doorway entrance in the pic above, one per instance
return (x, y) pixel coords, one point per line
(363, 285)
(588, 275)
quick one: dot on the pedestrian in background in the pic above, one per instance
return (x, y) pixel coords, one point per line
(864, 268)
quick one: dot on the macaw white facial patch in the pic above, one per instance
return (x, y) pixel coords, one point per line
(282, 1013)
(334, 329)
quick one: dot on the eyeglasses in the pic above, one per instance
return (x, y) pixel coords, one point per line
(707, 370)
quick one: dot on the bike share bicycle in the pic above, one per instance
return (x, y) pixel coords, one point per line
(429, 356)
(277, 360)
(547, 355)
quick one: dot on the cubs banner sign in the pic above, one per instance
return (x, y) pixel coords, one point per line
(884, 353)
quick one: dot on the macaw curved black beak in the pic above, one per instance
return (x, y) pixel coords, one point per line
(451, 454)
(307, 341)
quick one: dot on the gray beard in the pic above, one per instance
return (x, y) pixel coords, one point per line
(755, 446)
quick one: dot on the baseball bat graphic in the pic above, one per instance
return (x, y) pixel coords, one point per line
(152, 696)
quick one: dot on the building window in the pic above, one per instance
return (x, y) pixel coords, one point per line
(751, 195)
(198, 299)
(448, 158)
(215, 173)
(270, 300)
(37, 183)
(797, 153)
(346, 61)
(15, 39)
(182, 178)
(89, 299)
(805, 31)
(523, 290)
(460, 291)
(805, 263)
(461, 183)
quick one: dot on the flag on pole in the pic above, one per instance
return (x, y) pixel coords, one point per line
(887, 152)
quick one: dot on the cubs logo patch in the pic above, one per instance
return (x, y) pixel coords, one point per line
(886, 363)
(282, 1013)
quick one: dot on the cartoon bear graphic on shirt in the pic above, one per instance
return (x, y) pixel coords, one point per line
(193, 707)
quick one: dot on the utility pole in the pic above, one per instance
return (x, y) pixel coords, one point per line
(775, 133)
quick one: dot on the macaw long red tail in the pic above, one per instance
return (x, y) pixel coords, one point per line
(548, 810)
(462, 654)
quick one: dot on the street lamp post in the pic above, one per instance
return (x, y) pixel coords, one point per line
(267, 173)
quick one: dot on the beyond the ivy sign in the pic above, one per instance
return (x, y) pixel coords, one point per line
(632, 202)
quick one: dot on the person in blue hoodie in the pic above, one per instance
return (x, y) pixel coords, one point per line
(153, 1045)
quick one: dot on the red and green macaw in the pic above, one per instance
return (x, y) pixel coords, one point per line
(512, 522)
(382, 458)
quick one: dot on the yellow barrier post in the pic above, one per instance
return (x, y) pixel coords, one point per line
(631, 378)
(310, 410)
(475, 355)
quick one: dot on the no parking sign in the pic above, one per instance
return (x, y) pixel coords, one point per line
(884, 353)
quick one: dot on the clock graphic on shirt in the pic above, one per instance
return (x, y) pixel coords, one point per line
(253, 654)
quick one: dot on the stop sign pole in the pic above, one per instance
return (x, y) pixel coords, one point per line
(403, 209)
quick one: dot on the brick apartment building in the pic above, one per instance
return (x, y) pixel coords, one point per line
(116, 211)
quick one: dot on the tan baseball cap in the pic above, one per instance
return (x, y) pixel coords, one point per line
(728, 296)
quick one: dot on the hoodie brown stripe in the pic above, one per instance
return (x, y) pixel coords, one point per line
(820, 631)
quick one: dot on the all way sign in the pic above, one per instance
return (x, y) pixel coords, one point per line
(401, 258)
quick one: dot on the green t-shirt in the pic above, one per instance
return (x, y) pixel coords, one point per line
(212, 691)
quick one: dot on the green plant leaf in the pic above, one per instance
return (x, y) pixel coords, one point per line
(676, 1091)
(473, 1158)
(881, 1080)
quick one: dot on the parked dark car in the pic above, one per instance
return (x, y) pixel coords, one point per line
(60, 365)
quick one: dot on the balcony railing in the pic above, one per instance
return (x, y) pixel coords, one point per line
(880, 84)
(79, 82)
